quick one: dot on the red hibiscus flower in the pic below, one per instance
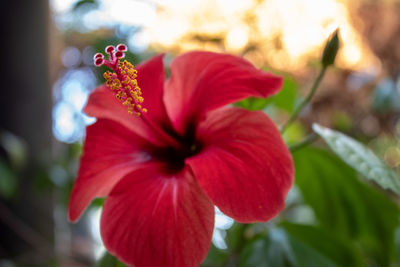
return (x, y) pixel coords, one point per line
(163, 170)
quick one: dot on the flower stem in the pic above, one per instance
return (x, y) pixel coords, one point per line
(305, 142)
(310, 94)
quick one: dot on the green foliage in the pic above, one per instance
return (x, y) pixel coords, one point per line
(272, 249)
(294, 133)
(342, 121)
(235, 240)
(8, 181)
(215, 257)
(299, 245)
(109, 260)
(338, 249)
(253, 103)
(281, 248)
(284, 99)
(98, 202)
(236, 237)
(345, 206)
(360, 157)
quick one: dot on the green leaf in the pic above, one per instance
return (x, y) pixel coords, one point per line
(253, 103)
(339, 250)
(280, 249)
(215, 257)
(235, 236)
(286, 97)
(108, 260)
(235, 240)
(345, 206)
(269, 250)
(360, 157)
(8, 181)
(98, 202)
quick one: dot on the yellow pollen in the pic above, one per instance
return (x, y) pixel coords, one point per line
(123, 82)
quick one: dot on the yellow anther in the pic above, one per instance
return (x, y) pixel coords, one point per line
(123, 82)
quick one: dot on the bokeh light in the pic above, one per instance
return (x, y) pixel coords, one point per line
(288, 32)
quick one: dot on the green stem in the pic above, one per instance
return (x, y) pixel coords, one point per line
(293, 117)
(305, 142)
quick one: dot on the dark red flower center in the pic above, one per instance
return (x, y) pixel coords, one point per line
(174, 155)
(175, 158)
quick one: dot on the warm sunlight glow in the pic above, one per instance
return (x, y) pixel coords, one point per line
(236, 38)
(284, 34)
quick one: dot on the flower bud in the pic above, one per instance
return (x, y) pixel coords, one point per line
(331, 49)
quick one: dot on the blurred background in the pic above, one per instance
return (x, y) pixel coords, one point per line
(47, 74)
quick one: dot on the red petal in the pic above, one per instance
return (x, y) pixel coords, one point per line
(202, 81)
(102, 103)
(151, 79)
(152, 218)
(245, 167)
(107, 157)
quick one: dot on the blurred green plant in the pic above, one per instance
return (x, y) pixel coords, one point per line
(283, 100)
(8, 181)
(13, 161)
(108, 260)
(346, 206)
(360, 157)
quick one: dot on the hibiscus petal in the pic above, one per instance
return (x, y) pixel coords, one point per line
(155, 218)
(244, 167)
(110, 152)
(102, 102)
(151, 78)
(202, 81)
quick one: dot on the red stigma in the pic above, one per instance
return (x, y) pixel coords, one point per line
(114, 55)
(122, 48)
(98, 55)
(110, 49)
(123, 80)
(98, 61)
(119, 54)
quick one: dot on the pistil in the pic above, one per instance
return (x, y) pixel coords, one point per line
(124, 84)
